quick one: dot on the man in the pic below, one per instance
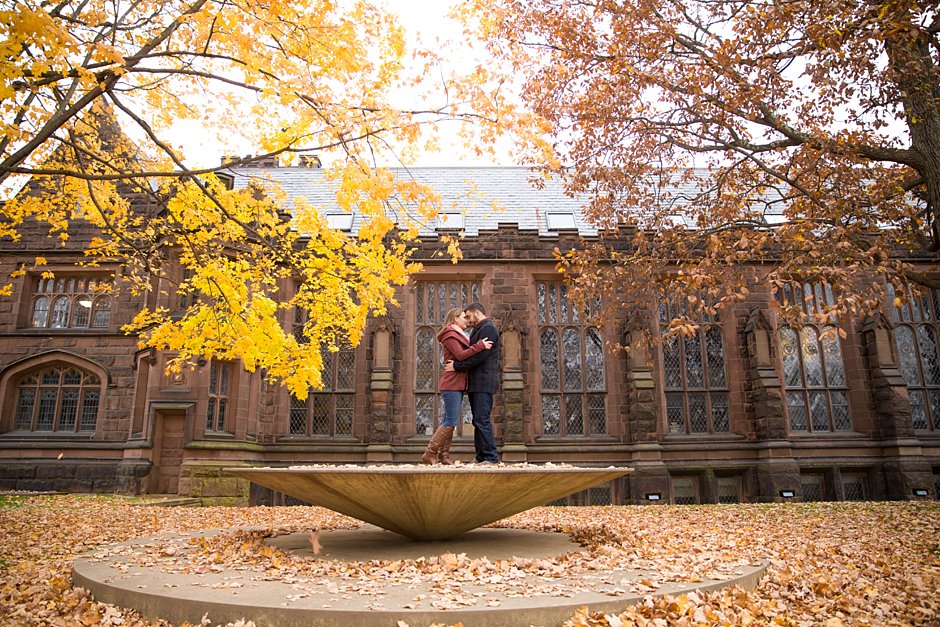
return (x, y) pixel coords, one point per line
(483, 374)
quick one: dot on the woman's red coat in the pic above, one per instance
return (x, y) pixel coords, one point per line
(455, 345)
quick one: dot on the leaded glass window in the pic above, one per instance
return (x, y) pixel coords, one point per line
(58, 399)
(854, 487)
(432, 301)
(729, 489)
(328, 411)
(101, 312)
(597, 496)
(684, 490)
(78, 302)
(916, 317)
(219, 408)
(694, 380)
(187, 295)
(812, 487)
(813, 369)
(571, 366)
(300, 320)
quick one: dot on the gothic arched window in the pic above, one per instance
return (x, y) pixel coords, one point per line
(220, 382)
(916, 333)
(101, 312)
(328, 411)
(432, 301)
(72, 303)
(694, 379)
(40, 312)
(572, 372)
(813, 368)
(62, 399)
(60, 312)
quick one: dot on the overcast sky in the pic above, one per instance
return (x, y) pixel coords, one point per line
(427, 25)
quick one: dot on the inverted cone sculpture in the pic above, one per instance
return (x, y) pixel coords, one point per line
(429, 503)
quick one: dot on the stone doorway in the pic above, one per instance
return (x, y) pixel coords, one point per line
(167, 451)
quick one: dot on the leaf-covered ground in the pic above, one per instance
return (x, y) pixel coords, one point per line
(829, 563)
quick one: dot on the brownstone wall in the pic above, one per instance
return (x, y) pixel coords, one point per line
(508, 263)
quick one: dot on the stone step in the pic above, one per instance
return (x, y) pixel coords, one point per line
(170, 500)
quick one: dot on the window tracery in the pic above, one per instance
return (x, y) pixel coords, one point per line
(571, 367)
(328, 411)
(694, 380)
(73, 302)
(432, 301)
(220, 375)
(62, 399)
(916, 332)
(813, 368)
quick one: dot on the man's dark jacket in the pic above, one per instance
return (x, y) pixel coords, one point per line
(484, 366)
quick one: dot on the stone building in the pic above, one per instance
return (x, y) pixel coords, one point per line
(748, 410)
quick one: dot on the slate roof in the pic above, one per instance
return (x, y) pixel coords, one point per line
(469, 190)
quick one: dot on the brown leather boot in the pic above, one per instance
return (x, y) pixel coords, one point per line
(434, 447)
(443, 454)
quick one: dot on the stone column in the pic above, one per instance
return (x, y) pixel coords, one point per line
(513, 384)
(640, 384)
(890, 390)
(650, 475)
(905, 467)
(777, 470)
(380, 392)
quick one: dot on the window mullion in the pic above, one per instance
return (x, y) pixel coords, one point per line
(560, 351)
(57, 415)
(684, 373)
(34, 424)
(822, 360)
(311, 404)
(703, 360)
(708, 407)
(799, 353)
(810, 418)
(585, 410)
(703, 357)
(331, 412)
(825, 377)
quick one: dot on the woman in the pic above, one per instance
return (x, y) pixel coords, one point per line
(454, 345)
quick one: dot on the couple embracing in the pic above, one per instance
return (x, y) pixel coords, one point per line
(472, 366)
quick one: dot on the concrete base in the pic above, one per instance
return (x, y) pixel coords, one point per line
(129, 575)
(429, 502)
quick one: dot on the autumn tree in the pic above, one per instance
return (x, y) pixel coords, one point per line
(720, 135)
(88, 93)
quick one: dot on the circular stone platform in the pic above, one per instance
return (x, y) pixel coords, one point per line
(146, 574)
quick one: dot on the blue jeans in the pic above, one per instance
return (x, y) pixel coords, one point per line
(452, 402)
(481, 404)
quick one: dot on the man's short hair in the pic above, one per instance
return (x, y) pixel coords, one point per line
(475, 307)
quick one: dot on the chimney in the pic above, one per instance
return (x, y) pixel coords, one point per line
(310, 161)
(270, 161)
(250, 161)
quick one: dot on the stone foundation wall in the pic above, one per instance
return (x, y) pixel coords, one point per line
(211, 485)
(57, 476)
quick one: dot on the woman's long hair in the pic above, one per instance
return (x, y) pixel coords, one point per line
(449, 319)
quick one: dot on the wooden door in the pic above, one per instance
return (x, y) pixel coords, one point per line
(168, 452)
